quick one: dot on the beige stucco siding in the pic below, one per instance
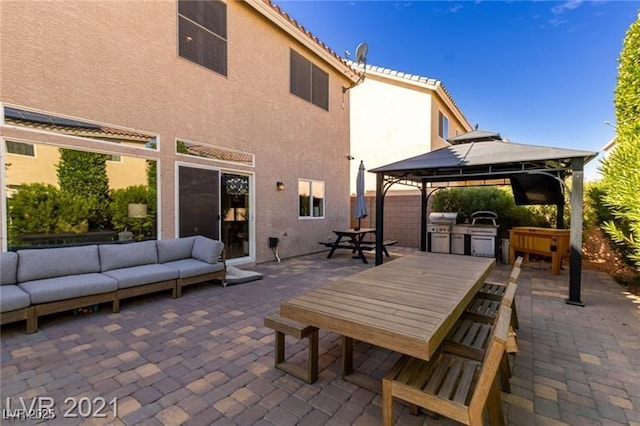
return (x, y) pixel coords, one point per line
(456, 126)
(389, 122)
(116, 62)
(394, 116)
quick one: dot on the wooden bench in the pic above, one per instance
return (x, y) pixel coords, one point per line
(364, 245)
(285, 326)
(496, 291)
(470, 337)
(450, 385)
(371, 245)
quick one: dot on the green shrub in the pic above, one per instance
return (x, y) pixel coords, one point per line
(621, 169)
(466, 201)
(84, 174)
(39, 208)
(596, 212)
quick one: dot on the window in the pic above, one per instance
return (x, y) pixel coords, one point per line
(443, 126)
(309, 82)
(202, 33)
(114, 158)
(72, 196)
(21, 148)
(311, 198)
(214, 152)
(43, 121)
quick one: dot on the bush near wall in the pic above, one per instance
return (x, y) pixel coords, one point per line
(466, 201)
(621, 169)
(39, 208)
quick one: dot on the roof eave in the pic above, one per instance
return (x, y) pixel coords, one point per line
(431, 84)
(269, 11)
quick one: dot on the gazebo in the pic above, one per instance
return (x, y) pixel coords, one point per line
(476, 158)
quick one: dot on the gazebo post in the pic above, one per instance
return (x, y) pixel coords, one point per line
(379, 217)
(560, 216)
(423, 217)
(575, 259)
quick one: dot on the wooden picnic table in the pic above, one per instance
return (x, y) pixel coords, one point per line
(407, 305)
(353, 241)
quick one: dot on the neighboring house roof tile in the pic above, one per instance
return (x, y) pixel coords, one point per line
(220, 154)
(431, 83)
(610, 145)
(102, 132)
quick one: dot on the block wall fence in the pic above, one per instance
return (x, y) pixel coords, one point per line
(401, 217)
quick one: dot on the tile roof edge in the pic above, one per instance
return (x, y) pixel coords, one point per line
(431, 83)
(329, 55)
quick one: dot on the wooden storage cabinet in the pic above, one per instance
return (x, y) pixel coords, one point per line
(553, 243)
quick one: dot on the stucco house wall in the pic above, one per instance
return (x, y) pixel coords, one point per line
(394, 116)
(116, 62)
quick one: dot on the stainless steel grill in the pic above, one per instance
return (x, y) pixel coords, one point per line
(483, 231)
(460, 239)
(439, 226)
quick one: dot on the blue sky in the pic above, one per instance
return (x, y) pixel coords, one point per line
(537, 72)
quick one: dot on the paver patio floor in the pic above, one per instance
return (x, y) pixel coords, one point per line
(206, 358)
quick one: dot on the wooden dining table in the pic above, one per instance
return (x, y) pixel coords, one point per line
(407, 305)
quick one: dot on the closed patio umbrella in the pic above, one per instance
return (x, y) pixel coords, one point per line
(361, 204)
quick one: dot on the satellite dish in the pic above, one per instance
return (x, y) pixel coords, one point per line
(361, 53)
(361, 58)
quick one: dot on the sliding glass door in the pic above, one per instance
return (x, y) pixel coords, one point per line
(198, 202)
(235, 200)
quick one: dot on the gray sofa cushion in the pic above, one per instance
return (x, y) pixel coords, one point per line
(12, 298)
(36, 264)
(68, 287)
(179, 248)
(192, 267)
(8, 268)
(207, 250)
(116, 256)
(141, 275)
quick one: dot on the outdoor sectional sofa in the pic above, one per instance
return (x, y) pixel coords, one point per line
(38, 282)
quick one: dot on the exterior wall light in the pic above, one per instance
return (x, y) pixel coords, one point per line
(280, 186)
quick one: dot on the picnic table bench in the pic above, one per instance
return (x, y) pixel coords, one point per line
(354, 241)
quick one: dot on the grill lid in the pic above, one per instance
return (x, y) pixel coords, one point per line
(484, 217)
(443, 217)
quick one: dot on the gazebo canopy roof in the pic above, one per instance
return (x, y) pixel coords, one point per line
(478, 160)
(479, 157)
(474, 136)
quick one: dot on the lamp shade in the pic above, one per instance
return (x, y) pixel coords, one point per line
(136, 210)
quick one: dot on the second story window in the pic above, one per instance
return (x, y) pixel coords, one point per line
(309, 82)
(202, 33)
(21, 148)
(443, 126)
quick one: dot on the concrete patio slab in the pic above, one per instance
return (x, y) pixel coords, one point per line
(206, 358)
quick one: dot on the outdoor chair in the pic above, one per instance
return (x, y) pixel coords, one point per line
(491, 294)
(470, 337)
(451, 385)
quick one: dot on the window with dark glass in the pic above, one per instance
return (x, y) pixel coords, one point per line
(309, 82)
(20, 148)
(443, 126)
(202, 33)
